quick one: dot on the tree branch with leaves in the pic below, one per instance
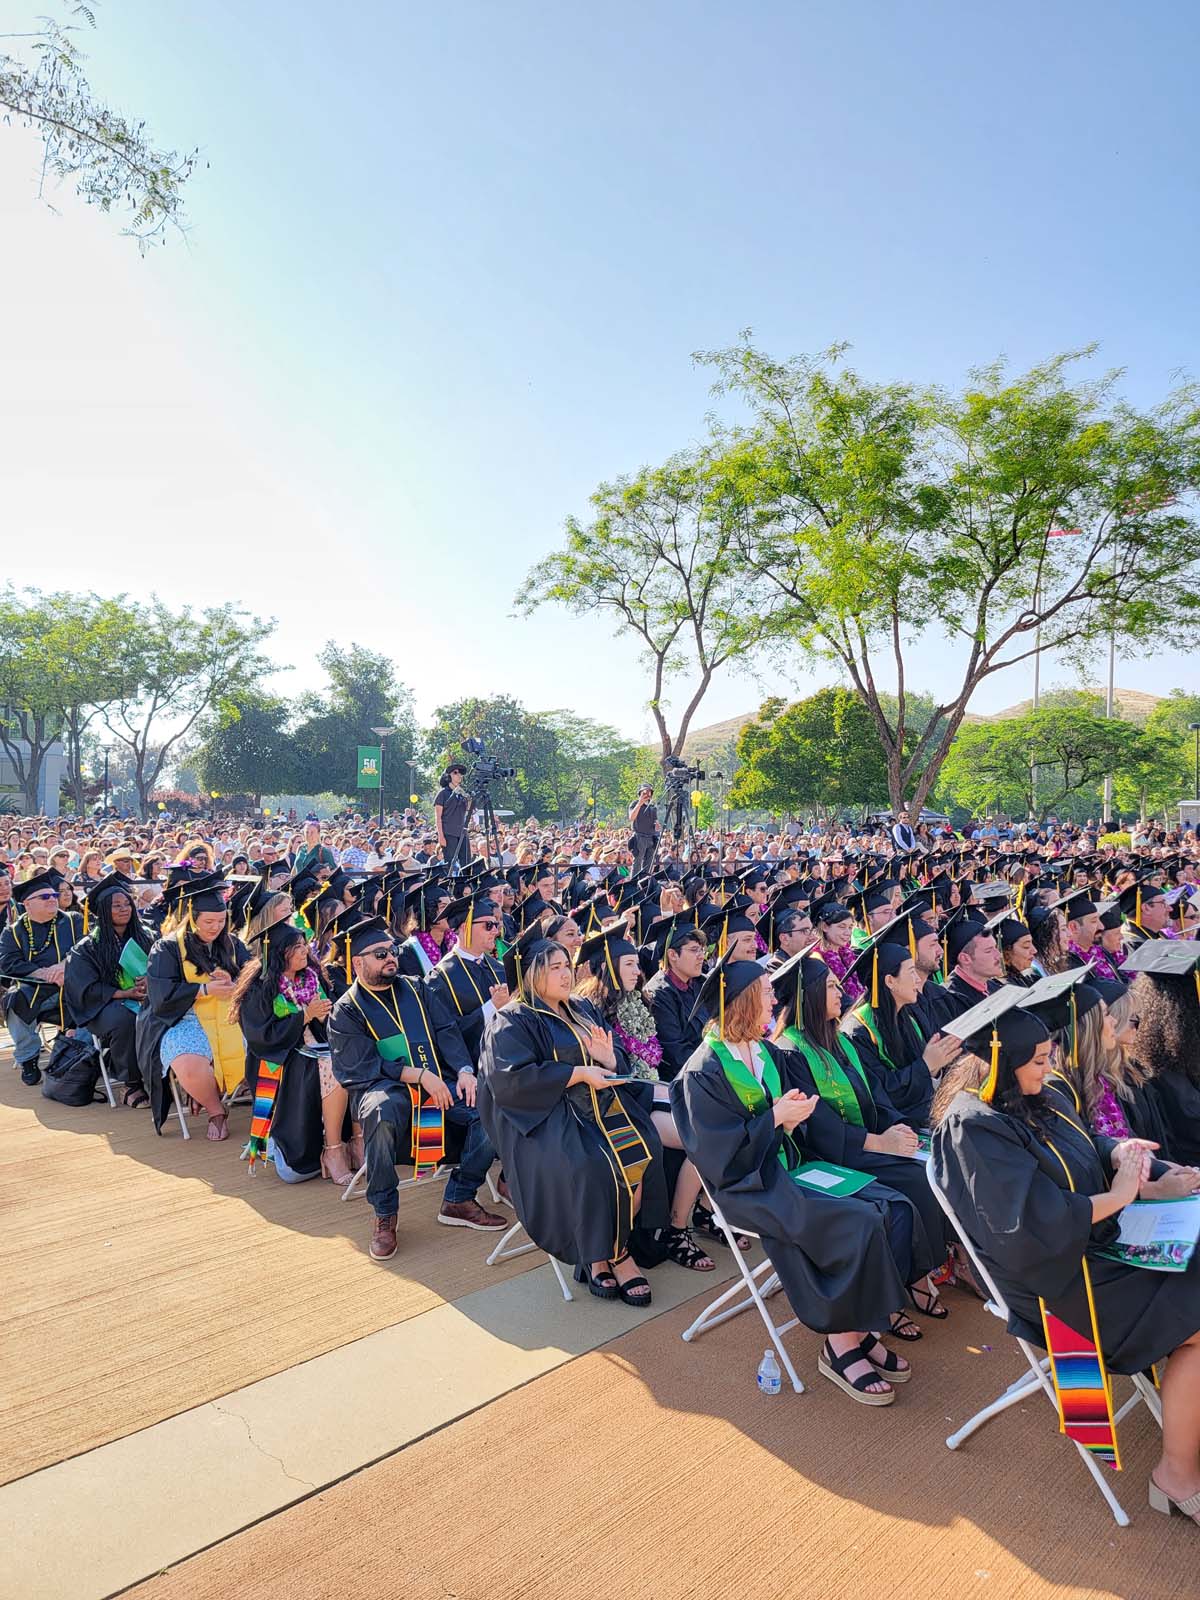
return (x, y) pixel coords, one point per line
(111, 158)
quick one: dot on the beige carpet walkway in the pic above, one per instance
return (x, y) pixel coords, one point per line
(144, 1276)
(655, 1469)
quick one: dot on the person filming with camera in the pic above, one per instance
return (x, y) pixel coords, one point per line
(643, 819)
(452, 813)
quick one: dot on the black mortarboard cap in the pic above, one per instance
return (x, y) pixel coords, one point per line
(723, 984)
(1163, 958)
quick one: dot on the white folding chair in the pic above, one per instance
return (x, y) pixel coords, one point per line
(180, 1108)
(102, 1057)
(358, 1183)
(503, 1252)
(755, 1286)
(1038, 1376)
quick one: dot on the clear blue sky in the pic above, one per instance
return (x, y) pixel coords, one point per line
(449, 262)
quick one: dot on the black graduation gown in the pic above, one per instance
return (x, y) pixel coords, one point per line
(832, 1255)
(26, 947)
(168, 1000)
(678, 1031)
(297, 1128)
(1011, 1196)
(89, 986)
(463, 985)
(828, 1137)
(556, 1161)
(1176, 1098)
(954, 998)
(907, 1084)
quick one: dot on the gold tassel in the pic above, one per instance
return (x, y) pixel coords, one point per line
(875, 979)
(85, 918)
(348, 972)
(989, 1087)
(1137, 907)
(912, 940)
(721, 1009)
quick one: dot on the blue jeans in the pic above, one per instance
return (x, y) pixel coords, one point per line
(386, 1117)
(27, 1041)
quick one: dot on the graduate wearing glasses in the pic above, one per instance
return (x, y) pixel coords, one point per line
(33, 951)
(395, 1045)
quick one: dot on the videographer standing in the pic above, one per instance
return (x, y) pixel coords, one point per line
(643, 819)
(452, 811)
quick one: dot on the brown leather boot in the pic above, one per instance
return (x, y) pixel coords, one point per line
(383, 1240)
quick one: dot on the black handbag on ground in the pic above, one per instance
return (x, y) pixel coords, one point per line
(72, 1073)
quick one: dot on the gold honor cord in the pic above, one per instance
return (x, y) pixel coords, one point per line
(465, 966)
(623, 1182)
(33, 954)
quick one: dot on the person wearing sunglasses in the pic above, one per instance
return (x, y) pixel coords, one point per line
(33, 952)
(390, 1037)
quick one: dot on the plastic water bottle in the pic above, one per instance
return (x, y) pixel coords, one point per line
(769, 1380)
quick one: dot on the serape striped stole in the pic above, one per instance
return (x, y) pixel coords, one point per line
(396, 1020)
(1081, 1380)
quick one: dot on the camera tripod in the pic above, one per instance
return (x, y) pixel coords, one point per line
(481, 801)
(677, 813)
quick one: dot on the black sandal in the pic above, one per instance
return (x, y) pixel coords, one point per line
(135, 1099)
(903, 1327)
(834, 1368)
(704, 1222)
(890, 1365)
(683, 1250)
(602, 1284)
(627, 1290)
(933, 1306)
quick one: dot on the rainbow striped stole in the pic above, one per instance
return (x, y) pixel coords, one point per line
(428, 1133)
(266, 1089)
(1084, 1390)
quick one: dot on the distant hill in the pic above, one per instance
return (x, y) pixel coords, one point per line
(1131, 704)
(711, 742)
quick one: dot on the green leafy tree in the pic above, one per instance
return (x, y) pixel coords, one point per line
(245, 748)
(991, 765)
(112, 160)
(182, 665)
(821, 752)
(659, 557)
(363, 693)
(589, 758)
(513, 738)
(874, 514)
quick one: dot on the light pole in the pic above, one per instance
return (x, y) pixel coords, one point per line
(381, 734)
(107, 752)
(1194, 727)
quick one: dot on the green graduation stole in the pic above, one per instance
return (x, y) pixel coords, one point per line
(266, 1089)
(412, 1044)
(830, 1077)
(753, 1095)
(866, 1015)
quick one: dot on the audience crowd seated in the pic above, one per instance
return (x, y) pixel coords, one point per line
(752, 1035)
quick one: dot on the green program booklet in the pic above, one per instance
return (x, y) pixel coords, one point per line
(826, 1178)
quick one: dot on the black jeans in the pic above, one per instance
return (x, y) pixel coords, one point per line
(456, 849)
(644, 845)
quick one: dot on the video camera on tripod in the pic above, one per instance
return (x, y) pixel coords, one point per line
(679, 778)
(486, 767)
(478, 784)
(679, 775)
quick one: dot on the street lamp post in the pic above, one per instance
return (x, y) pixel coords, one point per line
(1194, 727)
(381, 734)
(108, 749)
